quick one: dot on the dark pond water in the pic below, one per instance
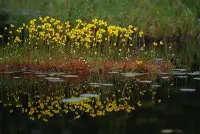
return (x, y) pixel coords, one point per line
(127, 103)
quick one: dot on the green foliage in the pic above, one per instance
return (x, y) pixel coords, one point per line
(164, 17)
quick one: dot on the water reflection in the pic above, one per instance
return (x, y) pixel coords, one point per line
(41, 102)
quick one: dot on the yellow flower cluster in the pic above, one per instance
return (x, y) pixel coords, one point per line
(43, 108)
(50, 31)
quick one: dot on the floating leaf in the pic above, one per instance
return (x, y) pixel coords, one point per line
(113, 72)
(78, 99)
(167, 131)
(187, 90)
(182, 77)
(155, 86)
(70, 76)
(180, 69)
(145, 81)
(196, 78)
(52, 78)
(131, 74)
(106, 84)
(194, 73)
(90, 95)
(16, 77)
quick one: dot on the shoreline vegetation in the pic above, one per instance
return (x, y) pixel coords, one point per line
(95, 34)
(79, 67)
(59, 46)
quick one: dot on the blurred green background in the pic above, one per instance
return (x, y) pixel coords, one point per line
(161, 17)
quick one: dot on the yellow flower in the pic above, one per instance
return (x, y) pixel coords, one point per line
(139, 104)
(32, 118)
(155, 44)
(1, 36)
(139, 62)
(17, 39)
(135, 28)
(76, 117)
(141, 33)
(161, 42)
(39, 115)
(40, 18)
(11, 25)
(130, 26)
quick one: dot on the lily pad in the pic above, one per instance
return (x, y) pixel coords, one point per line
(41, 75)
(165, 77)
(179, 73)
(106, 84)
(70, 76)
(166, 131)
(8, 72)
(182, 77)
(55, 73)
(131, 74)
(113, 72)
(187, 90)
(196, 78)
(145, 81)
(16, 77)
(180, 69)
(194, 73)
(95, 84)
(90, 95)
(71, 100)
(155, 86)
(27, 72)
(52, 78)
(59, 80)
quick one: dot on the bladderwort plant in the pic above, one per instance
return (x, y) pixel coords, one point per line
(50, 38)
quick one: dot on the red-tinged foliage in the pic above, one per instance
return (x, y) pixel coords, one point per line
(81, 68)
